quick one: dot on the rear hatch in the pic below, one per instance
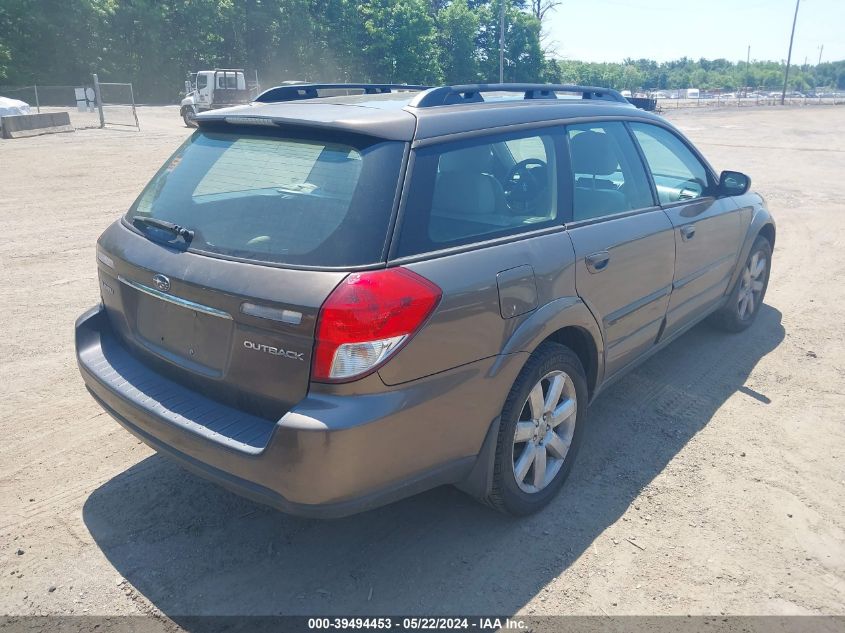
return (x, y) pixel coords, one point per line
(217, 273)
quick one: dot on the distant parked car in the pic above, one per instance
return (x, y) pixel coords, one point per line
(12, 107)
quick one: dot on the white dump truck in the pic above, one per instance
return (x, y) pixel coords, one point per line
(211, 89)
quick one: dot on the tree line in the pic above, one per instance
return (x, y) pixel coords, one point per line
(716, 74)
(155, 43)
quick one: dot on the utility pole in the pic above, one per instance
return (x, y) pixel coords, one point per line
(748, 69)
(502, 42)
(789, 54)
(98, 96)
(821, 50)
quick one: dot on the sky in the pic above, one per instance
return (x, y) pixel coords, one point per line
(611, 30)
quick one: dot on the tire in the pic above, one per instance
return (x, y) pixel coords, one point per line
(189, 116)
(548, 363)
(737, 314)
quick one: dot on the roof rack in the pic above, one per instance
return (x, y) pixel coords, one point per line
(471, 93)
(295, 92)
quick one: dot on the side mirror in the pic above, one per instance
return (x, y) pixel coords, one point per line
(733, 183)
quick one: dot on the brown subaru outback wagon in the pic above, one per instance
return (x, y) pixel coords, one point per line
(327, 303)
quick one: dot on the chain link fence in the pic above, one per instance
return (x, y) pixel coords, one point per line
(118, 104)
(114, 106)
(670, 100)
(43, 99)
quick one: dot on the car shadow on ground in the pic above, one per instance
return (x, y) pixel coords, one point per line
(192, 548)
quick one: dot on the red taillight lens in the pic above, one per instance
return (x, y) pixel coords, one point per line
(367, 318)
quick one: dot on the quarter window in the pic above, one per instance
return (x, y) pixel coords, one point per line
(473, 191)
(678, 175)
(608, 175)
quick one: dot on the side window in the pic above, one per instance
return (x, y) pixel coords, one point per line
(678, 175)
(473, 191)
(608, 175)
(202, 81)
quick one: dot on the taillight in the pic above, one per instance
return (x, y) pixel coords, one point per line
(368, 317)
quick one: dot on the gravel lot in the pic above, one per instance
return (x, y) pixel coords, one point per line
(711, 479)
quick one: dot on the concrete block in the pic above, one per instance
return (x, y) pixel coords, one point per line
(21, 125)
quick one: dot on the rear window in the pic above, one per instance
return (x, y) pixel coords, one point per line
(277, 197)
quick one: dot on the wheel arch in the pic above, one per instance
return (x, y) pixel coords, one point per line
(762, 224)
(582, 344)
(768, 231)
(569, 322)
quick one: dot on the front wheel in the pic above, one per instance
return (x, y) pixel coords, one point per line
(540, 430)
(189, 117)
(747, 296)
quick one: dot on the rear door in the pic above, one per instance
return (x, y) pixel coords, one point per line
(707, 229)
(239, 333)
(623, 242)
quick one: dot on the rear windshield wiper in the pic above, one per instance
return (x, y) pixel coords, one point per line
(178, 231)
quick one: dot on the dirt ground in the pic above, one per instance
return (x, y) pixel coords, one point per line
(711, 479)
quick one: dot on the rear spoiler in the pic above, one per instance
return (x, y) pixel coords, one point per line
(297, 92)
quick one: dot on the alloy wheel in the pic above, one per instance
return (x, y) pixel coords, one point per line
(751, 285)
(544, 431)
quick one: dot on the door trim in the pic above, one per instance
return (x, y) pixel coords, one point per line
(621, 313)
(680, 283)
(179, 301)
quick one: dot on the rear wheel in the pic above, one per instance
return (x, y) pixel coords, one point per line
(540, 430)
(189, 117)
(744, 302)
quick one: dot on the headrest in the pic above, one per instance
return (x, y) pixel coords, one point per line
(475, 159)
(593, 153)
(466, 195)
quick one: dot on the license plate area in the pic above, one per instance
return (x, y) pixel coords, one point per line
(196, 340)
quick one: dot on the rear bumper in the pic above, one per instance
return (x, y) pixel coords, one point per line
(332, 455)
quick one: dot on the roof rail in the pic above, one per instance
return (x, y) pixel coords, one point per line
(295, 92)
(471, 93)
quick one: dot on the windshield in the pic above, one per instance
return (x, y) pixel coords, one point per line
(275, 197)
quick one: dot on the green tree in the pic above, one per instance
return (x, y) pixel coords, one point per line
(458, 26)
(53, 41)
(398, 41)
(524, 59)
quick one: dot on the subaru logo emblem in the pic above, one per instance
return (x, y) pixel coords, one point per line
(161, 282)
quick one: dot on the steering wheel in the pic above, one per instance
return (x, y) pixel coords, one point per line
(525, 186)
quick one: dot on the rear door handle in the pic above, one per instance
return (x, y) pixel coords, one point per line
(597, 262)
(687, 232)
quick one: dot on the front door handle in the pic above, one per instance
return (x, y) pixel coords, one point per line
(597, 262)
(688, 232)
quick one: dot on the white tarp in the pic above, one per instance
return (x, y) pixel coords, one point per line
(9, 107)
